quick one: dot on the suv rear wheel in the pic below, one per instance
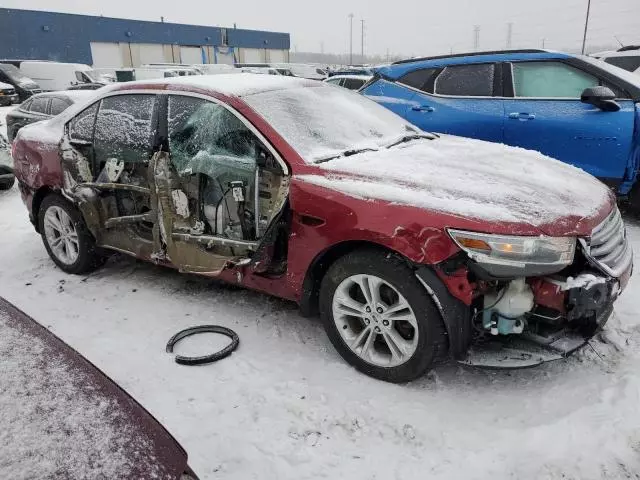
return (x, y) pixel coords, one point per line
(380, 318)
(66, 237)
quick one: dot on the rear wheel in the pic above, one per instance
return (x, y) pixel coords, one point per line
(380, 318)
(66, 237)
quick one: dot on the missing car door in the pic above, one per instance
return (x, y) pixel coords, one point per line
(220, 189)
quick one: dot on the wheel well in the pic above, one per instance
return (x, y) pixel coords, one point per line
(38, 197)
(321, 264)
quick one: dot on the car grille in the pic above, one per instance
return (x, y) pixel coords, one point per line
(609, 246)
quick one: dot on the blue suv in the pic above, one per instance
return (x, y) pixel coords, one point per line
(574, 108)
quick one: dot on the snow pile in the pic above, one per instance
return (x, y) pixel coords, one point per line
(54, 421)
(470, 178)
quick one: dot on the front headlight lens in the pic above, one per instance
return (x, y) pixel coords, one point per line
(540, 254)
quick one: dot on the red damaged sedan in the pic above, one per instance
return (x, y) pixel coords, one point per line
(412, 247)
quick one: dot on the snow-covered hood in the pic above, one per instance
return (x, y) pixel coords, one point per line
(473, 179)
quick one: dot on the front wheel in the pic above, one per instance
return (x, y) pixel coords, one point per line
(380, 318)
(66, 237)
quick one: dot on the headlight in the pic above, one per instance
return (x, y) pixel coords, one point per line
(507, 256)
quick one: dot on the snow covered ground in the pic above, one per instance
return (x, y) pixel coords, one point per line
(284, 405)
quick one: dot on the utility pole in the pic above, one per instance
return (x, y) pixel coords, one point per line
(544, 42)
(362, 41)
(476, 37)
(586, 27)
(509, 34)
(351, 39)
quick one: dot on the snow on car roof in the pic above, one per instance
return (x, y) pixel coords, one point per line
(238, 85)
(57, 420)
(353, 76)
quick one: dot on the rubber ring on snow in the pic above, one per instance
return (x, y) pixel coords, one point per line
(225, 352)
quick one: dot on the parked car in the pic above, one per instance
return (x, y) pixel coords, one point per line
(41, 107)
(260, 70)
(8, 95)
(7, 178)
(410, 245)
(53, 76)
(61, 407)
(576, 109)
(24, 86)
(351, 82)
(627, 58)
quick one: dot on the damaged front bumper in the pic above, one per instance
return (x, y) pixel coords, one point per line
(583, 305)
(523, 351)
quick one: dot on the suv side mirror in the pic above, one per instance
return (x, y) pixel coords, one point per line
(600, 97)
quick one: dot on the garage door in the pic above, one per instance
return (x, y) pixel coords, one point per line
(277, 56)
(151, 53)
(106, 55)
(225, 55)
(253, 55)
(190, 55)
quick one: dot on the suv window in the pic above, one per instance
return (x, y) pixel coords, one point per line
(58, 106)
(466, 80)
(550, 80)
(353, 83)
(26, 106)
(81, 126)
(39, 105)
(630, 64)
(124, 128)
(419, 79)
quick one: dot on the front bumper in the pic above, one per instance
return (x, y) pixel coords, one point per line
(6, 100)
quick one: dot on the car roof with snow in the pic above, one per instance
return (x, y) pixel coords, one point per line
(67, 419)
(350, 76)
(238, 85)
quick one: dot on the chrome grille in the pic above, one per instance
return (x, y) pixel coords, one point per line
(609, 247)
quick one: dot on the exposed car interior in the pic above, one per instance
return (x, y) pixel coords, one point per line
(196, 190)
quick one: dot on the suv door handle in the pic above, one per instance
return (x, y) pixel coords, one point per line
(522, 116)
(422, 108)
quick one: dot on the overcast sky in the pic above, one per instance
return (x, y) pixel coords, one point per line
(409, 27)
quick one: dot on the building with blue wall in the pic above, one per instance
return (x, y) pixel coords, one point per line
(114, 42)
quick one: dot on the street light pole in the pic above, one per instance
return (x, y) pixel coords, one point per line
(586, 27)
(351, 39)
(362, 42)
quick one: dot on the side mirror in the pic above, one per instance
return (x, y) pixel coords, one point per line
(600, 97)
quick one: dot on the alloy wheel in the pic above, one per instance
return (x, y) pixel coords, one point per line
(375, 320)
(61, 235)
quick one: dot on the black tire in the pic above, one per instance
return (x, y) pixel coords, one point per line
(89, 257)
(4, 183)
(432, 339)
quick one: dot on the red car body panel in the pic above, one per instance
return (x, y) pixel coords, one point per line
(323, 218)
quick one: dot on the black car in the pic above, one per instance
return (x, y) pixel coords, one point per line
(8, 94)
(25, 87)
(42, 107)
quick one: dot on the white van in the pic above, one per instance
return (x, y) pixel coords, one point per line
(52, 76)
